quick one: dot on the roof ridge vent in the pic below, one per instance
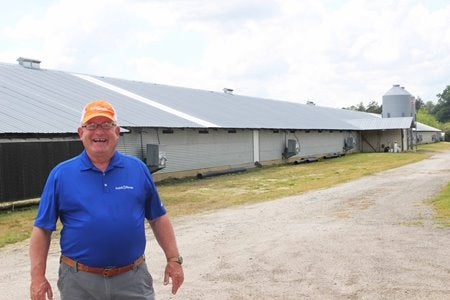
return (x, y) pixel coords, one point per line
(29, 63)
(228, 91)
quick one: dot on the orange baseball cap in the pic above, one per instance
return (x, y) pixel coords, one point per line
(98, 108)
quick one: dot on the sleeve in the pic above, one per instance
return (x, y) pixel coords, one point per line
(154, 207)
(47, 214)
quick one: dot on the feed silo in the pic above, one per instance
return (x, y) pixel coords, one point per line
(398, 102)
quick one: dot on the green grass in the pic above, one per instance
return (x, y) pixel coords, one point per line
(441, 205)
(16, 226)
(413, 223)
(189, 196)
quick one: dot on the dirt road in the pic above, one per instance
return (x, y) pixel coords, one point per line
(372, 238)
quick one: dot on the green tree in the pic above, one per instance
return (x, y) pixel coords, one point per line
(373, 107)
(360, 107)
(442, 108)
(443, 115)
(429, 107)
(350, 107)
(423, 116)
(419, 103)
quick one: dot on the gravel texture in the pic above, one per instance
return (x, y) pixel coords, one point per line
(371, 238)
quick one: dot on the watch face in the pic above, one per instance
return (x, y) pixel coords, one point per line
(177, 259)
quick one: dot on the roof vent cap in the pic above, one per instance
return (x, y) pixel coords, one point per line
(29, 63)
(228, 91)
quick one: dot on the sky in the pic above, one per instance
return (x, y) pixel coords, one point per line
(335, 53)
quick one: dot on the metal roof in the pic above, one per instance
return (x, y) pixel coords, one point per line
(49, 101)
(382, 123)
(423, 127)
(397, 90)
(234, 111)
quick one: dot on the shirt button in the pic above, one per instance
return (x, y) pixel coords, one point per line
(106, 184)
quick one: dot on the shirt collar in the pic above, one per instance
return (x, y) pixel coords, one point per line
(116, 162)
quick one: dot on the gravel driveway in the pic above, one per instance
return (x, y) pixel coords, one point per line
(372, 238)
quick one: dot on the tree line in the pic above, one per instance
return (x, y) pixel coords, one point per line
(433, 114)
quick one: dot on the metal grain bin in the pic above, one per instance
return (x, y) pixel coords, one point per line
(398, 102)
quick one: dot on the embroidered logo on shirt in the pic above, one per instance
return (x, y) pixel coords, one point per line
(124, 187)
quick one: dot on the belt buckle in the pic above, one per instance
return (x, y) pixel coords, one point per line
(106, 272)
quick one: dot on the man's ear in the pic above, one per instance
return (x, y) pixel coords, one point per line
(80, 132)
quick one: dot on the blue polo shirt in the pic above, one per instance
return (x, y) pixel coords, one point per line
(103, 213)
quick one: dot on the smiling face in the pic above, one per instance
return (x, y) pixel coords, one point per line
(99, 143)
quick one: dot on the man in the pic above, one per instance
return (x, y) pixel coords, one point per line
(102, 198)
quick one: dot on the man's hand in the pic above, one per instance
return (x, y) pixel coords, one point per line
(175, 272)
(40, 289)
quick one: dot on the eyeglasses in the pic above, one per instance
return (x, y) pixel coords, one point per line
(93, 126)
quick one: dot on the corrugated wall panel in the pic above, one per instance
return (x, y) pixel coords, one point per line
(134, 143)
(312, 143)
(315, 143)
(188, 149)
(271, 144)
(426, 137)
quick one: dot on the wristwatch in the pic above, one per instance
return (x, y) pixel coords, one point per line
(177, 259)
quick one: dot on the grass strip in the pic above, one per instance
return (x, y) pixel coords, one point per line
(441, 204)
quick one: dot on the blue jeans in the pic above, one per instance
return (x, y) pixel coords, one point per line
(136, 284)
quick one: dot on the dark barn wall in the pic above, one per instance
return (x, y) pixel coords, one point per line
(24, 166)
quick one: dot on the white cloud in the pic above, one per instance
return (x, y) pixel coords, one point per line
(335, 53)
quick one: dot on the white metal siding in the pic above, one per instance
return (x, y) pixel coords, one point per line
(189, 150)
(315, 142)
(272, 143)
(134, 143)
(426, 137)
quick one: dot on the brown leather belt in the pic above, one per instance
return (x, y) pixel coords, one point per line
(107, 272)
